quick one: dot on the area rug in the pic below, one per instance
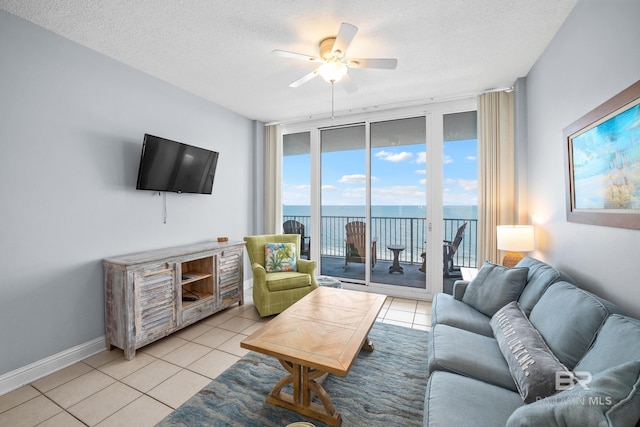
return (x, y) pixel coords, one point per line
(383, 388)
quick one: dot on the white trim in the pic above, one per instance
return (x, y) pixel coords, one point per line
(339, 116)
(36, 370)
(391, 290)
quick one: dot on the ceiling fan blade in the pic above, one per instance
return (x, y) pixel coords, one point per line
(345, 35)
(348, 84)
(382, 63)
(304, 79)
(293, 55)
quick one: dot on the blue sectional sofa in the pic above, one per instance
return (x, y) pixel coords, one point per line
(528, 347)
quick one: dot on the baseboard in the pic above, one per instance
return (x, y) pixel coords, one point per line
(30, 373)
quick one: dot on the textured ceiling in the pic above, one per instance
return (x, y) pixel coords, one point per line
(221, 50)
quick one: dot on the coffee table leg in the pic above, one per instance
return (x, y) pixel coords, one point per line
(368, 345)
(306, 383)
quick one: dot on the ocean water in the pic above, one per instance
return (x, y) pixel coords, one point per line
(411, 211)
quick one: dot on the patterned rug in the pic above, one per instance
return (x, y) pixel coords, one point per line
(383, 388)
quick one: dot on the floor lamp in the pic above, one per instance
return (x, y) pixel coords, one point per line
(514, 239)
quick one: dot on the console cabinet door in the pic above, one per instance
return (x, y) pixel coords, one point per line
(155, 304)
(229, 277)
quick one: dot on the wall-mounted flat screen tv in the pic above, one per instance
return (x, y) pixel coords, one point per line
(167, 165)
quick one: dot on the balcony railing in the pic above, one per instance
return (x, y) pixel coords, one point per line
(409, 232)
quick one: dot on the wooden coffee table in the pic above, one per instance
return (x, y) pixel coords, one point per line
(320, 334)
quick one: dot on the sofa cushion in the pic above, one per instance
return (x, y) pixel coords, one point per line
(530, 361)
(465, 353)
(611, 398)
(539, 278)
(287, 280)
(494, 287)
(617, 329)
(280, 257)
(447, 310)
(568, 319)
(454, 400)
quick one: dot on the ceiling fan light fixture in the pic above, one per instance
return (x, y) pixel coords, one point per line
(332, 71)
(334, 63)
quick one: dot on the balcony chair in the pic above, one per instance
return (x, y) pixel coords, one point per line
(356, 244)
(449, 249)
(275, 292)
(294, 227)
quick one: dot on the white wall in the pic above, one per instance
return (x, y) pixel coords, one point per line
(593, 57)
(71, 128)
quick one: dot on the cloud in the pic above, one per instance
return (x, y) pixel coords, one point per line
(471, 158)
(399, 194)
(356, 179)
(422, 157)
(353, 179)
(329, 188)
(468, 184)
(421, 171)
(302, 187)
(465, 184)
(394, 157)
(447, 159)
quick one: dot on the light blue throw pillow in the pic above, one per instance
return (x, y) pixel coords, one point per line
(494, 287)
(610, 398)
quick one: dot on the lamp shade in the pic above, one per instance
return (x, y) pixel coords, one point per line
(515, 238)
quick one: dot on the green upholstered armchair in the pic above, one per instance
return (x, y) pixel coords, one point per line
(275, 292)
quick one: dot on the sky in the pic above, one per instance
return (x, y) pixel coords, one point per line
(398, 176)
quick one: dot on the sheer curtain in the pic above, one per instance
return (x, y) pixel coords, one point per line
(496, 188)
(272, 180)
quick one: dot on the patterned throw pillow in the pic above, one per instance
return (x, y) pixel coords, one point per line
(280, 257)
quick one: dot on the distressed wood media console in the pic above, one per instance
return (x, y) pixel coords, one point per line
(151, 294)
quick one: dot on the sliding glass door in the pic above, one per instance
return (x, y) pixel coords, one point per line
(459, 194)
(398, 200)
(373, 199)
(296, 188)
(344, 203)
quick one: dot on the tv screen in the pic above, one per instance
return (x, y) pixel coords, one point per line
(167, 165)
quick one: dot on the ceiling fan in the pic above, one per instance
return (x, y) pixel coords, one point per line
(333, 60)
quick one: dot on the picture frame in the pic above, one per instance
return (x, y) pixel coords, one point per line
(602, 159)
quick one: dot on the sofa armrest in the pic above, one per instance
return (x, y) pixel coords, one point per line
(459, 288)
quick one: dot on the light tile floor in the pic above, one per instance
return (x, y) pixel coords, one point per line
(107, 390)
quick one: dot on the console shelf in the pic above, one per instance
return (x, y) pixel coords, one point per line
(144, 291)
